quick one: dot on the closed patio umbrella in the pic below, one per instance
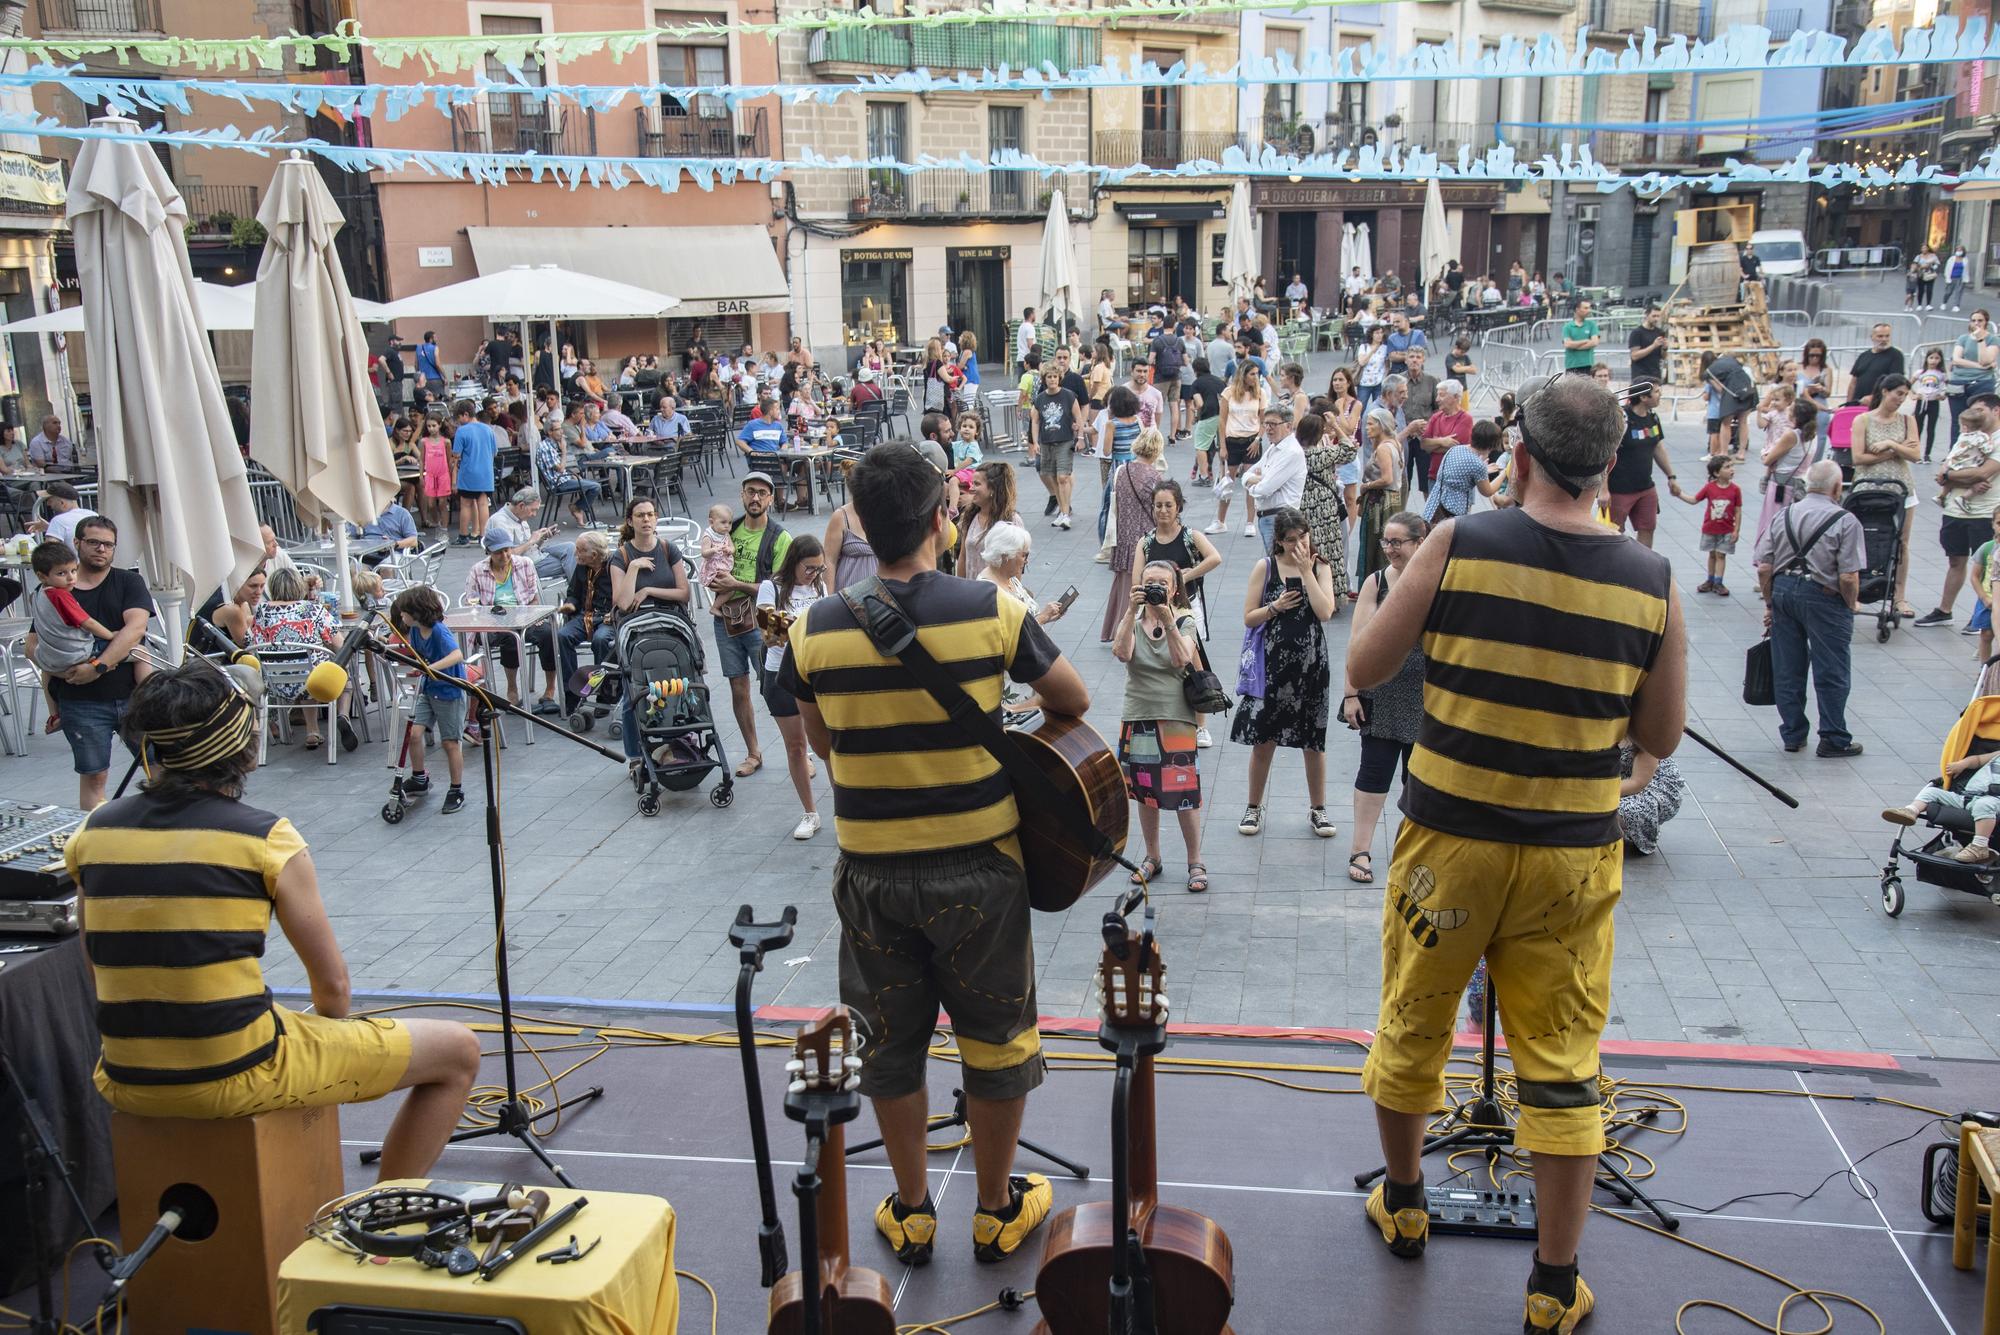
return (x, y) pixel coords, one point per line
(169, 473)
(1239, 246)
(1363, 255)
(1058, 266)
(316, 425)
(1434, 247)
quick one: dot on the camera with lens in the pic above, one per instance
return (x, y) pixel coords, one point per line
(1156, 594)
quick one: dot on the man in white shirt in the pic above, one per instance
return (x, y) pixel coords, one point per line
(1152, 404)
(618, 424)
(1279, 478)
(1354, 284)
(1024, 337)
(1107, 315)
(1296, 291)
(66, 511)
(1267, 334)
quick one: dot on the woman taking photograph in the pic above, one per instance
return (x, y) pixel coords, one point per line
(1885, 445)
(1156, 736)
(1132, 493)
(1373, 359)
(1285, 676)
(990, 501)
(1380, 492)
(1187, 551)
(797, 583)
(1243, 405)
(1388, 716)
(646, 576)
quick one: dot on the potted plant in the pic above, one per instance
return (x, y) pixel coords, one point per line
(964, 198)
(858, 207)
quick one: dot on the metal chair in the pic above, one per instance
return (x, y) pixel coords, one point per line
(285, 668)
(22, 682)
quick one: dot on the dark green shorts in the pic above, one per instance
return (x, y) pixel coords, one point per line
(939, 930)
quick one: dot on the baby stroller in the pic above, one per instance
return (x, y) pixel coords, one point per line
(598, 690)
(660, 666)
(1880, 506)
(1943, 833)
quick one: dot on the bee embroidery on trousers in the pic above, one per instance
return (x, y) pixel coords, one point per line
(1425, 924)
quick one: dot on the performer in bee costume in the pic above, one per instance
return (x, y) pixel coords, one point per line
(1546, 637)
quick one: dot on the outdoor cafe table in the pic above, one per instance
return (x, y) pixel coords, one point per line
(514, 621)
(811, 457)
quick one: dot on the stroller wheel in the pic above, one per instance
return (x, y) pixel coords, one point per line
(581, 720)
(1882, 634)
(723, 794)
(649, 804)
(1892, 896)
(616, 727)
(392, 812)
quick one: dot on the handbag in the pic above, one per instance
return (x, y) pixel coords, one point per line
(1759, 684)
(1202, 687)
(1251, 676)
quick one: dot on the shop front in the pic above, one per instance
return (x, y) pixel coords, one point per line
(875, 295)
(1303, 225)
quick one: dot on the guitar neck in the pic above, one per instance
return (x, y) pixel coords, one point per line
(1142, 1156)
(831, 1209)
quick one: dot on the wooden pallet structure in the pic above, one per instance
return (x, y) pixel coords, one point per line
(1694, 329)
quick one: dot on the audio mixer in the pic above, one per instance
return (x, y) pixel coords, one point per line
(36, 894)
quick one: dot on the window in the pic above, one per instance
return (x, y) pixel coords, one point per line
(1160, 108)
(1281, 100)
(1639, 272)
(1354, 96)
(1486, 114)
(888, 137)
(874, 300)
(517, 123)
(1008, 190)
(1153, 261)
(1729, 99)
(702, 60)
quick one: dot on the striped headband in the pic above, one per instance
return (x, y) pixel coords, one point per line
(224, 733)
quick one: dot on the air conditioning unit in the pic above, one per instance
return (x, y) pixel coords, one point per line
(1587, 213)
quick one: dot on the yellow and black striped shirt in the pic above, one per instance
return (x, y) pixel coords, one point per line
(906, 779)
(177, 897)
(1536, 643)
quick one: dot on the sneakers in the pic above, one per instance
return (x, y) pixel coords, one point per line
(1063, 520)
(1249, 530)
(1217, 527)
(1900, 816)
(1937, 616)
(1706, 586)
(1968, 629)
(995, 1237)
(1547, 1314)
(1973, 855)
(1828, 751)
(1052, 506)
(1721, 589)
(910, 1229)
(807, 827)
(454, 800)
(1252, 822)
(1202, 739)
(1321, 825)
(1406, 1231)
(420, 782)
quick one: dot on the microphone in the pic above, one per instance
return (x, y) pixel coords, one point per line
(326, 682)
(186, 1212)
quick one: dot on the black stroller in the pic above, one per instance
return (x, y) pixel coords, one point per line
(660, 667)
(1932, 849)
(1881, 506)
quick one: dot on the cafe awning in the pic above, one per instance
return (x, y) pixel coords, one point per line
(713, 270)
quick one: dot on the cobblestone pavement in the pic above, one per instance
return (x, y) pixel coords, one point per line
(1752, 924)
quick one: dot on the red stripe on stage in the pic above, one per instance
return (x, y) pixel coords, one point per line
(1746, 1053)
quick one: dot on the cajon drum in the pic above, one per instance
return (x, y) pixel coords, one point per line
(267, 1176)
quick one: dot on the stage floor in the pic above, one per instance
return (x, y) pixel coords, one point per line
(1274, 1167)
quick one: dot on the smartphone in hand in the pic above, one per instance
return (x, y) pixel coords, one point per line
(1068, 597)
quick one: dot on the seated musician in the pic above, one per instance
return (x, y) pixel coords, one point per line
(929, 886)
(177, 888)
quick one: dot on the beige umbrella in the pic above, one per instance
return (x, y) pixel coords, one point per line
(315, 423)
(1239, 246)
(170, 475)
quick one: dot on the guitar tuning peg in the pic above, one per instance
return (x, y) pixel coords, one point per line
(796, 1087)
(794, 1066)
(1160, 1002)
(852, 1063)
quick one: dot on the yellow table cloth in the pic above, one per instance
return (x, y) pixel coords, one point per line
(625, 1286)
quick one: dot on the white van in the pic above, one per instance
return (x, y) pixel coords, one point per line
(1781, 253)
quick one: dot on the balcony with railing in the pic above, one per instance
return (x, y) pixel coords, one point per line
(100, 18)
(948, 47)
(1165, 148)
(1551, 8)
(1617, 19)
(702, 132)
(1783, 21)
(950, 196)
(518, 123)
(214, 210)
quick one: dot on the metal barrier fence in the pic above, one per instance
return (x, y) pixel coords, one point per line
(274, 505)
(1858, 259)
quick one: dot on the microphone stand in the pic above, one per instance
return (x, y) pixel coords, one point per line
(511, 1116)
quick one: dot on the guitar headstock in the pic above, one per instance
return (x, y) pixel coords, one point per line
(825, 1055)
(1129, 977)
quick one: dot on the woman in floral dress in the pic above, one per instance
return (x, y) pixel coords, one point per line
(1328, 450)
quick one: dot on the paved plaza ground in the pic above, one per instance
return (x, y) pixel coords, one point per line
(1753, 923)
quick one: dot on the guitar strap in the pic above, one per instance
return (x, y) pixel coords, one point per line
(894, 635)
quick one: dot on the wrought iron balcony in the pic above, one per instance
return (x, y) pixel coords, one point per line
(702, 132)
(1783, 21)
(1616, 19)
(953, 195)
(955, 47)
(103, 18)
(214, 210)
(518, 123)
(1164, 148)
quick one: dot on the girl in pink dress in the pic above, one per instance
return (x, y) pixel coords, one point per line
(437, 473)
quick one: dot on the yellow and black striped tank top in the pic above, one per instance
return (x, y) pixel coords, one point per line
(1536, 642)
(176, 899)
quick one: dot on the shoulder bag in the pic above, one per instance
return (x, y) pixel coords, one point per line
(1759, 678)
(1250, 666)
(1199, 683)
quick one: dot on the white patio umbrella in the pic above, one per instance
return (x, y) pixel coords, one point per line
(533, 292)
(1058, 265)
(1434, 247)
(222, 309)
(1363, 255)
(169, 473)
(316, 425)
(1239, 246)
(1346, 252)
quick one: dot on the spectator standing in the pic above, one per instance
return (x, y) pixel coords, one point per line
(1373, 359)
(1809, 567)
(92, 695)
(1287, 674)
(1414, 401)
(1973, 356)
(1132, 493)
(1749, 268)
(1630, 481)
(1928, 267)
(1389, 716)
(1928, 388)
(1157, 749)
(1168, 357)
(474, 452)
(1449, 425)
(1734, 395)
(760, 545)
(1402, 341)
(1957, 269)
(429, 372)
(1055, 424)
(990, 501)
(798, 583)
(1278, 479)
(1243, 405)
(1204, 396)
(1885, 445)
(1969, 500)
(1721, 521)
(1580, 339)
(1647, 347)
(1463, 470)
(1815, 381)
(1792, 444)
(1880, 359)
(1327, 499)
(1380, 491)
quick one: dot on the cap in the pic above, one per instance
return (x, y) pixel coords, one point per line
(764, 478)
(496, 541)
(865, 373)
(934, 452)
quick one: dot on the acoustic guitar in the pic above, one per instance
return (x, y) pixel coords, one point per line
(1084, 786)
(827, 1295)
(1133, 1263)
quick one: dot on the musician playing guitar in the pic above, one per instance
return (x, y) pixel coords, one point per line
(929, 886)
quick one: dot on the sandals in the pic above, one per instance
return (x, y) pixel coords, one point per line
(1358, 874)
(751, 764)
(1149, 868)
(1197, 881)
(313, 740)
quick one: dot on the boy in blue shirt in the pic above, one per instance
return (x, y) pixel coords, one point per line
(475, 448)
(418, 614)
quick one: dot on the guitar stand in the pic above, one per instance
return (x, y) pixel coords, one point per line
(1081, 1172)
(752, 940)
(820, 1110)
(1481, 1125)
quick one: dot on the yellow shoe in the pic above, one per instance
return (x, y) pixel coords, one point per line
(994, 1238)
(911, 1230)
(1545, 1314)
(1406, 1231)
